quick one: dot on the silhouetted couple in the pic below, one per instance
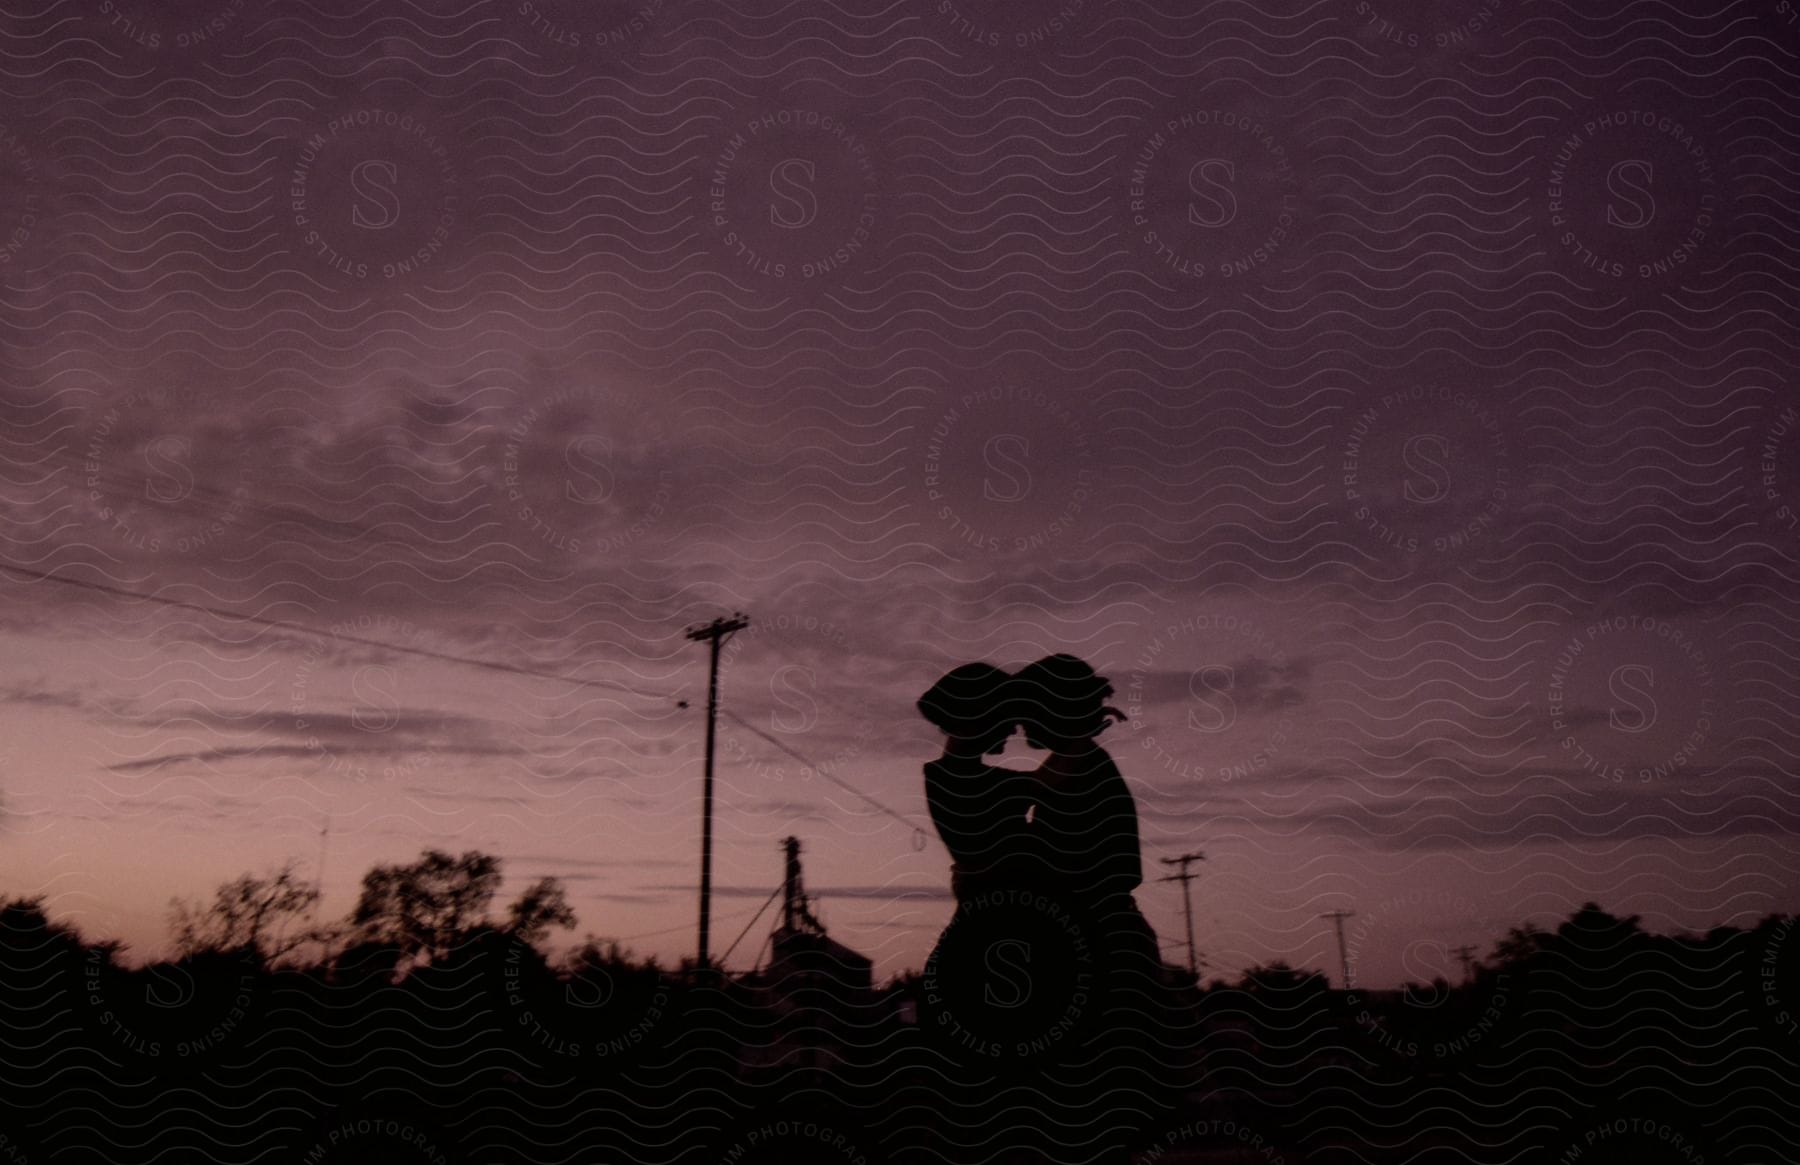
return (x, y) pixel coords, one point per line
(1068, 829)
(1047, 965)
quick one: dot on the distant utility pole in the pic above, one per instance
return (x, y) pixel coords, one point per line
(1337, 918)
(319, 882)
(1187, 900)
(713, 634)
(324, 838)
(1467, 956)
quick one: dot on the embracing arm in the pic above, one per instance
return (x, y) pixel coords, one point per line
(941, 777)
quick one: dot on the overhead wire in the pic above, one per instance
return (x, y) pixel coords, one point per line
(331, 633)
(234, 506)
(748, 925)
(918, 832)
(919, 838)
(223, 505)
(451, 657)
(227, 503)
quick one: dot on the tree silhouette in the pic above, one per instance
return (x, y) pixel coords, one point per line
(542, 906)
(426, 909)
(1279, 978)
(249, 913)
(1595, 999)
(596, 951)
(1520, 944)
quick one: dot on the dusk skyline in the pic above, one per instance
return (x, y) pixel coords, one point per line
(1400, 414)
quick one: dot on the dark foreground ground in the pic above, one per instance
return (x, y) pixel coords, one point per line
(1594, 1043)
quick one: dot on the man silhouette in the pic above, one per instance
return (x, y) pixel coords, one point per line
(1084, 831)
(1082, 847)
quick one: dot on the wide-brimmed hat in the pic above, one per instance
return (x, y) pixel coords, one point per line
(1063, 694)
(968, 699)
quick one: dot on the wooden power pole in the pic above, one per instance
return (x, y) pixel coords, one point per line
(712, 634)
(1187, 901)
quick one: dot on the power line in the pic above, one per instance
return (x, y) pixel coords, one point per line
(748, 925)
(919, 835)
(225, 502)
(346, 636)
(448, 657)
(625, 938)
(879, 807)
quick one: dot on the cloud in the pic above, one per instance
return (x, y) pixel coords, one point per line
(1548, 806)
(322, 735)
(1254, 683)
(1572, 717)
(785, 808)
(214, 756)
(209, 757)
(46, 697)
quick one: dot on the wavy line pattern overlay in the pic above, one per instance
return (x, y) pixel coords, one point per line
(1394, 400)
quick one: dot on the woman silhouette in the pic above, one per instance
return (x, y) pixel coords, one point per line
(978, 809)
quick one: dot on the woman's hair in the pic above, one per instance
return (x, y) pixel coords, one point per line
(968, 700)
(1061, 696)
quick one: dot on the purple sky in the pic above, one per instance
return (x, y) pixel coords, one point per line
(1401, 414)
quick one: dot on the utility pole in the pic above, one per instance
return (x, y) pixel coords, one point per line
(324, 838)
(319, 881)
(712, 634)
(1187, 901)
(1337, 917)
(1466, 954)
